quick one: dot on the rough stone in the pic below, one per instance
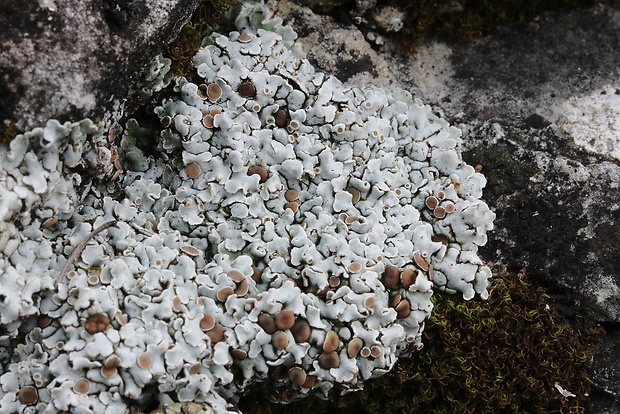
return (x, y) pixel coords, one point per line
(68, 59)
(606, 371)
(335, 48)
(540, 110)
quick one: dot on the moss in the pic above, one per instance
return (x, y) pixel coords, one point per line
(463, 20)
(8, 131)
(187, 44)
(499, 356)
(183, 49)
(212, 11)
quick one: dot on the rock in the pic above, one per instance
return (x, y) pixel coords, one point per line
(555, 187)
(607, 374)
(69, 59)
(556, 211)
(335, 48)
(541, 117)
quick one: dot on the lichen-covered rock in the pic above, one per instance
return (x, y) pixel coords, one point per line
(541, 118)
(69, 59)
(282, 227)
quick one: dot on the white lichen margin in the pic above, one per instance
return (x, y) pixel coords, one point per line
(283, 228)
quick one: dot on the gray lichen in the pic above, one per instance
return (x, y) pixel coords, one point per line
(282, 227)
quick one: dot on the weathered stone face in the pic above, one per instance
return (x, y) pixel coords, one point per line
(68, 60)
(556, 208)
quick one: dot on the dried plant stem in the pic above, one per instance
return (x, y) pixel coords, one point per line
(142, 230)
(80, 248)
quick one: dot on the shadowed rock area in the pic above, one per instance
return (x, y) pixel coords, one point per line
(70, 59)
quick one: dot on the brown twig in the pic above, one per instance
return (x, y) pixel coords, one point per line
(78, 250)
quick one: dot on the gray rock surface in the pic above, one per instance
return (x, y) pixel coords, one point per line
(540, 110)
(67, 59)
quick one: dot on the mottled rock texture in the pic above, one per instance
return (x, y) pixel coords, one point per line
(68, 59)
(539, 106)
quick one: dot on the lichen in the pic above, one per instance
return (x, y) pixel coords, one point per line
(502, 355)
(264, 223)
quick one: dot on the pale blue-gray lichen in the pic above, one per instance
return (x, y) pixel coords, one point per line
(282, 227)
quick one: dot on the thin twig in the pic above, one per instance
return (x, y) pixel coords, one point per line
(142, 230)
(78, 250)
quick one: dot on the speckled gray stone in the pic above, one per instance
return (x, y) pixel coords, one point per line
(68, 59)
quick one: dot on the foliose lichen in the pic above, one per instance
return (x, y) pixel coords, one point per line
(512, 353)
(279, 227)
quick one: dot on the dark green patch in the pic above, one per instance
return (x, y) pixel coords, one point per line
(503, 355)
(187, 44)
(464, 20)
(183, 49)
(8, 131)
